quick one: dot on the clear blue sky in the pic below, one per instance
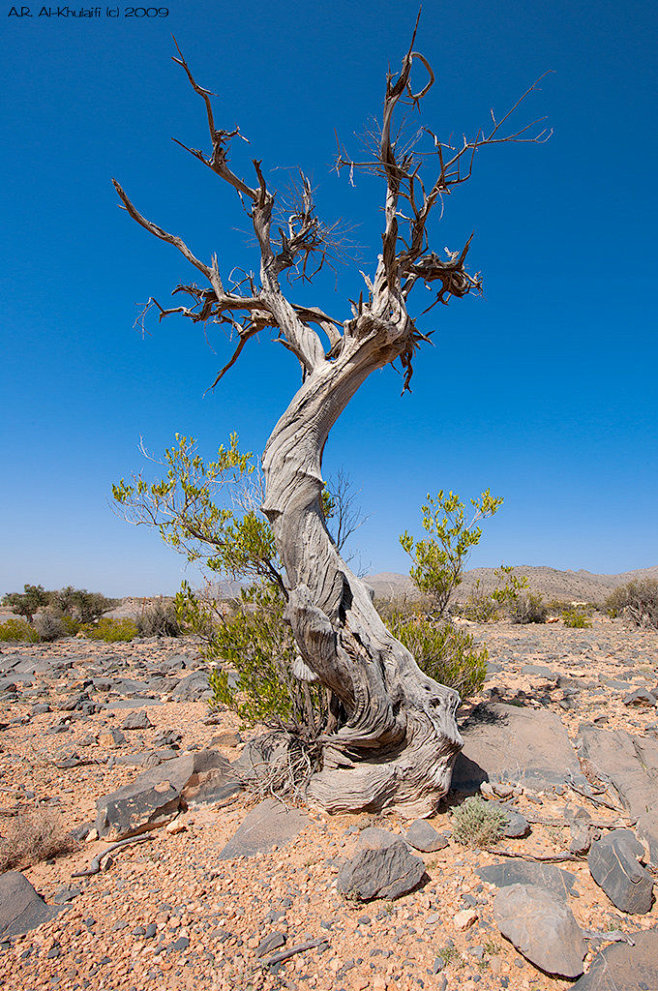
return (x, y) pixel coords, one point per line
(544, 390)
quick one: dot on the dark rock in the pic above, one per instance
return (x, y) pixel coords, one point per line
(620, 966)
(271, 823)
(155, 796)
(540, 670)
(630, 764)
(269, 943)
(192, 688)
(515, 744)
(151, 930)
(423, 836)
(375, 838)
(542, 928)
(384, 873)
(21, 908)
(613, 863)
(66, 893)
(581, 837)
(641, 697)
(136, 720)
(555, 880)
(181, 943)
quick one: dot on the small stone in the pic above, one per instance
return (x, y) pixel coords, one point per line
(423, 836)
(136, 720)
(181, 943)
(92, 835)
(175, 827)
(111, 738)
(269, 943)
(641, 697)
(465, 919)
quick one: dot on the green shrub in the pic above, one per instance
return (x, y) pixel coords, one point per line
(528, 608)
(71, 626)
(637, 601)
(80, 604)
(575, 619)
(478, 823)
(18, 629)
(444, 652)
(111, 630)
(256, 643)
(158, 619)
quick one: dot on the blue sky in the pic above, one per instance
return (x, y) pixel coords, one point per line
(544, 390)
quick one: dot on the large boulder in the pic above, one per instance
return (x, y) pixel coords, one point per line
(613, 863)
(542, 927)
(21, 908)
(630, 764)
(622, 966)
(509, 743)
(387, 872)
(271, 823)
(559, 882)
(156, 795)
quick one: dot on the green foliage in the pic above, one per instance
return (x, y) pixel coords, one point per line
(256, 644)
(110, 630)
(528, 608)
(508, 594)
(477, 823)
(71, 626)
(480, 607)
(637, 601)
(27, 602)
(79, 604)
(443, 652)
(438, 559)
(184, 508)
(158, 619)
(17, 629)
(575, 619)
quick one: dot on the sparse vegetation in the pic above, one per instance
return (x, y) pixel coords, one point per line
(19, 630)
(528, 608)
(438, 560)
(49, 626)
(27, 602)
(110, 630)
(477, 823)
(442, 651)
(158, 619)
(32, 837)
(575, 618)
(636, 601)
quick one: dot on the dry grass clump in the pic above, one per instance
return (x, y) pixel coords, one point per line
(34, 836)
(477, 823)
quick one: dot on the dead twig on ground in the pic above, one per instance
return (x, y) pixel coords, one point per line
(95, 865)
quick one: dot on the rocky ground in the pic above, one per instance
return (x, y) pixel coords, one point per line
(183, 909)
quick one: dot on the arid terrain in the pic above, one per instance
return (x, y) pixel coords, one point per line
(178, 911)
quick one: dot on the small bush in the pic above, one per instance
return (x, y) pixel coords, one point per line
(528, 608)
(478, 823)
(49, 626)
(443, 652)
(636, 601)
(18, 629)
(34, 836)
(158, 620)
(71, 626)
(575, 619)
(111, 630)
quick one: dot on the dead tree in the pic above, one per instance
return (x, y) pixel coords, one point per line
(393, 735)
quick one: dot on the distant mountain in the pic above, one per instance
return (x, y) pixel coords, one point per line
(549, 582)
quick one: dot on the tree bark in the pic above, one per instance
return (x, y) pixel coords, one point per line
(396, 736)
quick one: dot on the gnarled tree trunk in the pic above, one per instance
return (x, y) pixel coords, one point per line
(396, 738)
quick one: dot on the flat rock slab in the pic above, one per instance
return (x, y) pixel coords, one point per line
(553, 879)
(509, 743)
(630, 764)
(387, 872)
(620, 966)
(542, 927)
(270, 824)
(156, 795)
(613, 863)
(21, 908)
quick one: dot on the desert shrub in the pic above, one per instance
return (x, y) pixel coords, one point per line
(32, 837)
(636, 601)
(71, 626)
(110, 630)
(575, 618)
(478, 823)
(256, 643)
(49, 626)
(479, 607)
(18, 629)
(158, 619)
(444, 652)
(528, 608)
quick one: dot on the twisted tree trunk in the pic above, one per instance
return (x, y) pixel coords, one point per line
(396, 737)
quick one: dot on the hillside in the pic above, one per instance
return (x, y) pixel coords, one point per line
(549, 582)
